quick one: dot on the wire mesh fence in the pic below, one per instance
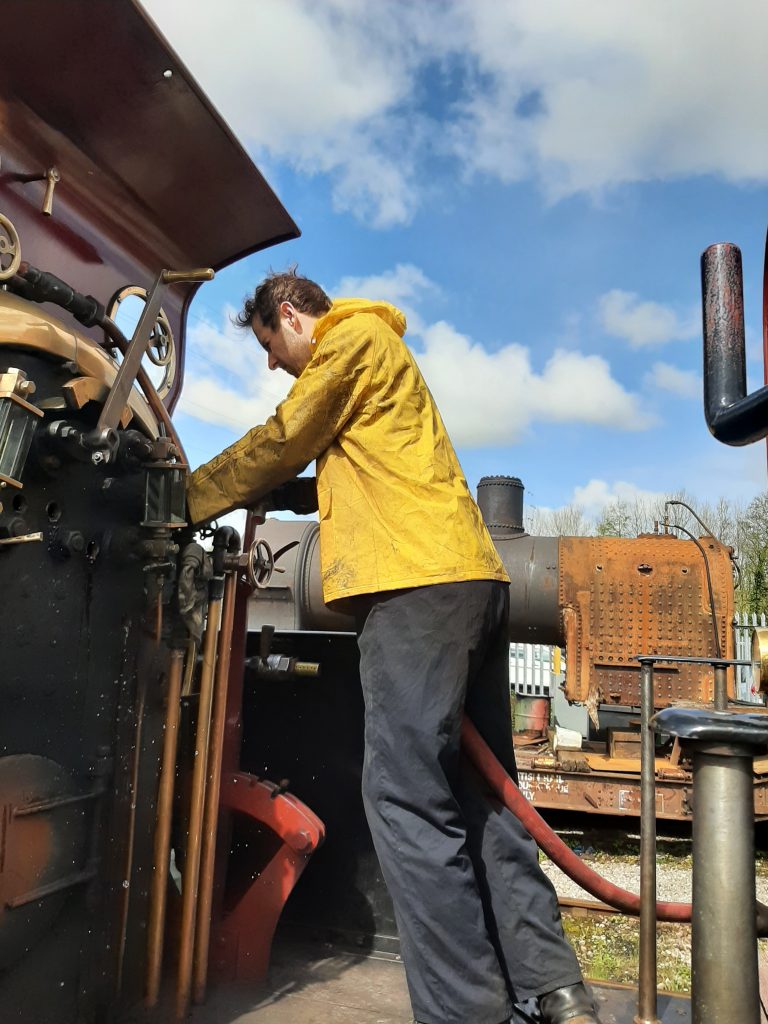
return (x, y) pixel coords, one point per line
(534, 669)
(743, 627)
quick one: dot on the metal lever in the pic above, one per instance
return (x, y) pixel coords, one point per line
(104, 434)
(25, 538)
(51, 177)
(186, 276)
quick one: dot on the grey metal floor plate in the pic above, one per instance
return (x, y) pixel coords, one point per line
(321, 985)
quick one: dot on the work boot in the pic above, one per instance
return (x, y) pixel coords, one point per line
(570, 1005)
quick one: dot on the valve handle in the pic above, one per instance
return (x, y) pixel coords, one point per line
(260, 564)
(10, 249)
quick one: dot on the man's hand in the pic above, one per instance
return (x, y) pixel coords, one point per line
(298, 496)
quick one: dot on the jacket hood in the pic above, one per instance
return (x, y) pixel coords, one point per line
(342, 309)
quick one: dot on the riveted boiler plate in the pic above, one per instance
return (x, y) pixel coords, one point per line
(41, 845)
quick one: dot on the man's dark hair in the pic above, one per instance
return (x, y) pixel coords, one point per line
(288, 286)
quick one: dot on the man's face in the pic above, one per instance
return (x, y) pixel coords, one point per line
(288, 347)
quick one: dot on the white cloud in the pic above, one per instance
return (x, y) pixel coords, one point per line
(404, 287)
(685, 383)
(624, 315)
(588, 503)
(596, 495)
(227, 381)
(591, 95)
(491, 398)
(579, 97)
(485, 398)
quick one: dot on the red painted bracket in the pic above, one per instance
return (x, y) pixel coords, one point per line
(242, 938)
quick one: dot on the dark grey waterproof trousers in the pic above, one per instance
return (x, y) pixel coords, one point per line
(479, 923)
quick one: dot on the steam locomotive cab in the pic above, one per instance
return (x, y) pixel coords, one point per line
(113, 169)
(157, 695)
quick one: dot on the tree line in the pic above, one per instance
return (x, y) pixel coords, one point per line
(744, 527)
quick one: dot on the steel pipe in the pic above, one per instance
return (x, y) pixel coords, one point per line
(647, 979)
(162, 848)
(721, 688)
(211, 812)
(724, 983)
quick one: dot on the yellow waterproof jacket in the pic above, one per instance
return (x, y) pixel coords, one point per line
(395, 509)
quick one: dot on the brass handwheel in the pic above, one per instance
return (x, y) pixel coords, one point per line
(161, 349)
(10, 249)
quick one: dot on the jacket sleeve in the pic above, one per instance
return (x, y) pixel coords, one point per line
(315, 410)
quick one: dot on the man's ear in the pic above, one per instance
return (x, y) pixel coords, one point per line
(288, 311)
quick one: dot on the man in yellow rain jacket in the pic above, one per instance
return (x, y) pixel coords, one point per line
(404, 547)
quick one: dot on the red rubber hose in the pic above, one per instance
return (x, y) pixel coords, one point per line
(507, 792)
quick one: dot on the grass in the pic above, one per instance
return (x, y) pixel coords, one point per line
(608, 946)
(607, 949)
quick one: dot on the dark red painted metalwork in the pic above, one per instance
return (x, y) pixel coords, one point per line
(242, 938)
(150, 175)
(245, 918)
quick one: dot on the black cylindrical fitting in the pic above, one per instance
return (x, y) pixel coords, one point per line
(732, 416)
(501, 503)
(41, 286)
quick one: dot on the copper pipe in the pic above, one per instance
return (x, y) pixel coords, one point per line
(211, 815)
(159, 889)
(131, 838)
(157, 407)
(158, 632)
(189, 670)
(191, 874)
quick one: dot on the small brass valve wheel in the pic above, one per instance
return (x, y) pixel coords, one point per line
(10, 249)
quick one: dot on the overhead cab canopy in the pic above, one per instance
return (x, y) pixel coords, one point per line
(150, 175)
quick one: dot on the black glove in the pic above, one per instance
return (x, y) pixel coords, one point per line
(298, 496)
